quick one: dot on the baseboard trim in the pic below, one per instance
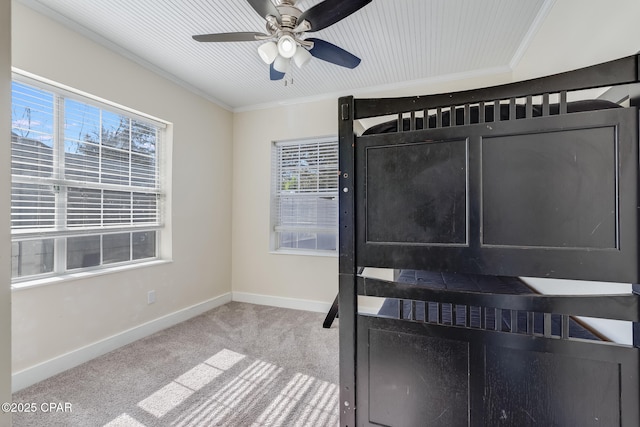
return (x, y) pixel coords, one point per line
(283, 302)
(295, 303)
(49, 368)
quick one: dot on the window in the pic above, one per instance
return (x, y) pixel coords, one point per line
(305, 195)
(85, 182)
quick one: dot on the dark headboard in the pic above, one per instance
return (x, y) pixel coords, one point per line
(551, 195)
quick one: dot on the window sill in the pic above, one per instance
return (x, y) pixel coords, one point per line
(325, 254)
(52, 280)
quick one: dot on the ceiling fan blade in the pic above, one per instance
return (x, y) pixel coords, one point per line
(274, 74)
(265, 8)
(332, 53)
(329, 12)
(228, 37)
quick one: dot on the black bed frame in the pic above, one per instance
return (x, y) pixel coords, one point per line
(552, 196)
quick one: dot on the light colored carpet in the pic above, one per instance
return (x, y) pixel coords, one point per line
(236, 365)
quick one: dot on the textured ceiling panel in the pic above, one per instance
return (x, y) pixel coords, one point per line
(397, 40)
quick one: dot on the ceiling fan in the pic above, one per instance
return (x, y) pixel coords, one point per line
(286, 39)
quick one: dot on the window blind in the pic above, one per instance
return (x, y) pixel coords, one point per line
(78, 167)
(305, 194)
(85, 181)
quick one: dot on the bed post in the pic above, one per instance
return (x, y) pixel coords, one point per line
(347, 297)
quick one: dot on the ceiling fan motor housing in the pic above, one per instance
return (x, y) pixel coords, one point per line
(289, 15)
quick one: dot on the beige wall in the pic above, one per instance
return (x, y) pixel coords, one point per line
(5, 196)
(52, 320)
(579, 33)
(255, 270)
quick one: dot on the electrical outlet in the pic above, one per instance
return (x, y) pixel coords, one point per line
(151, 297)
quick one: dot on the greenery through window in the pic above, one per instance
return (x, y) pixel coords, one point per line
(85, 183)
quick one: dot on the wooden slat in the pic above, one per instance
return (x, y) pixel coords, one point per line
(547, 325)
(564, 332)
(563, 102)
(483, 318)
(454, 314)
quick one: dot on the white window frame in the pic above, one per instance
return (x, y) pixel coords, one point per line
(322, 194)
(61, 231)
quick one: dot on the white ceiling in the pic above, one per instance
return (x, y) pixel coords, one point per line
(399, 41)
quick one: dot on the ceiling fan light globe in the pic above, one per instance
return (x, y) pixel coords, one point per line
(302, 57)
(268, 52)
(287, 46)
(281, 64)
